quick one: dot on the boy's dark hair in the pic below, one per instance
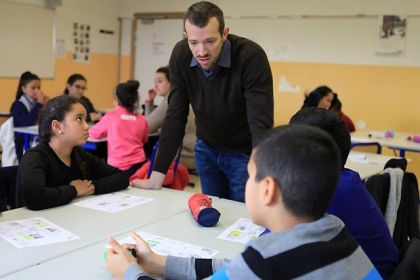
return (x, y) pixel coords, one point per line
(328, 122)
(200, 13)
(72, 79)
(305, 162)
(127, 94)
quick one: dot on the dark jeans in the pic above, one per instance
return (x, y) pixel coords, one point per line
(222, 173)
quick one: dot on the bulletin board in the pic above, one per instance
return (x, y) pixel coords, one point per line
(27, 40)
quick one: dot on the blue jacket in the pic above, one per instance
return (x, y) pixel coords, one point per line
(356, 208)
(23, 117)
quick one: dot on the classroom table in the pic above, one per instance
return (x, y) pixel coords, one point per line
(91, 144)
(92, 226)
(398, 142)
(88, 262)
(367, 164)
(28, 131)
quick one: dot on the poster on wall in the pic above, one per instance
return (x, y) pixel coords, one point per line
(60, 47)
(81, 42)
(392, 32)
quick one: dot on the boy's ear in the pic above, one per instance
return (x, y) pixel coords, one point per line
(270, 190)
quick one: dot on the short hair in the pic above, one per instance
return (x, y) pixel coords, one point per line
(56, 109)
(200, 13)
(305, 162)
(315, 96)
(164, 70)
(128, 95)
(72, 79)
(328, 122)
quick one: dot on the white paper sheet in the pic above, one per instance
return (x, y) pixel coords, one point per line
(113, 202)
(34, 232)
(165, 246)
(242, 231)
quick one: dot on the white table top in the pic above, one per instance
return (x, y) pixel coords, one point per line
(399, 141)
(88, 262)
(90, 225)
(367, 164)
(33, 130)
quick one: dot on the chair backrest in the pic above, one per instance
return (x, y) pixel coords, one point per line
(7, 138)
(152, 159)
(409, 261)
(8, 187)
(368, 144)
(406, 225)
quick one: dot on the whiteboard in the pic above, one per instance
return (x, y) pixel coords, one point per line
(154, 43)
(27, 40)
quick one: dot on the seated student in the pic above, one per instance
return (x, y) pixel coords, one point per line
(336, 109)
(76, 86)
(321, 97)
(155, 116)
(288, 191)
(25, 110)
(351, 202)
(125, 129)
(58, 169)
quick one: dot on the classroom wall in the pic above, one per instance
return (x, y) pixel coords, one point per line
(101, 71)
(379, 91)
(382, 91)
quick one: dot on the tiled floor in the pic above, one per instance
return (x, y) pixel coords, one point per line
(197, 186)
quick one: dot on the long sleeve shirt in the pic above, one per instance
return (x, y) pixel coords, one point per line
(43, 180)
(322, 249)
(232, 109)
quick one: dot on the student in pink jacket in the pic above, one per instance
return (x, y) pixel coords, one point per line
(125, 129)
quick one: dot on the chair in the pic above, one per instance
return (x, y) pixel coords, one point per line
(406, 224)
(409, 262)
(7, 138)
(8, 187)
(366, 144)
(152, 159)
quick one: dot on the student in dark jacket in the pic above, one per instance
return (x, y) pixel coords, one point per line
(25, 110)
(58, 169)
(351, 201)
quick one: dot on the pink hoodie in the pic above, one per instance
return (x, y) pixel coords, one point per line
(126, 134)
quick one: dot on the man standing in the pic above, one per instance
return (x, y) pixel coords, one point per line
(228, 81)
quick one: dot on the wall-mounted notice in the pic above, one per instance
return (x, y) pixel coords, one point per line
(392, 32)
(81, 42)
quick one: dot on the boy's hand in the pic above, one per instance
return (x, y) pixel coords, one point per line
(151, 263)
(118, 259)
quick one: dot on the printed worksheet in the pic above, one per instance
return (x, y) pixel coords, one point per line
(34, 232)
(242, 231)
(113, 202)
(165, 246)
